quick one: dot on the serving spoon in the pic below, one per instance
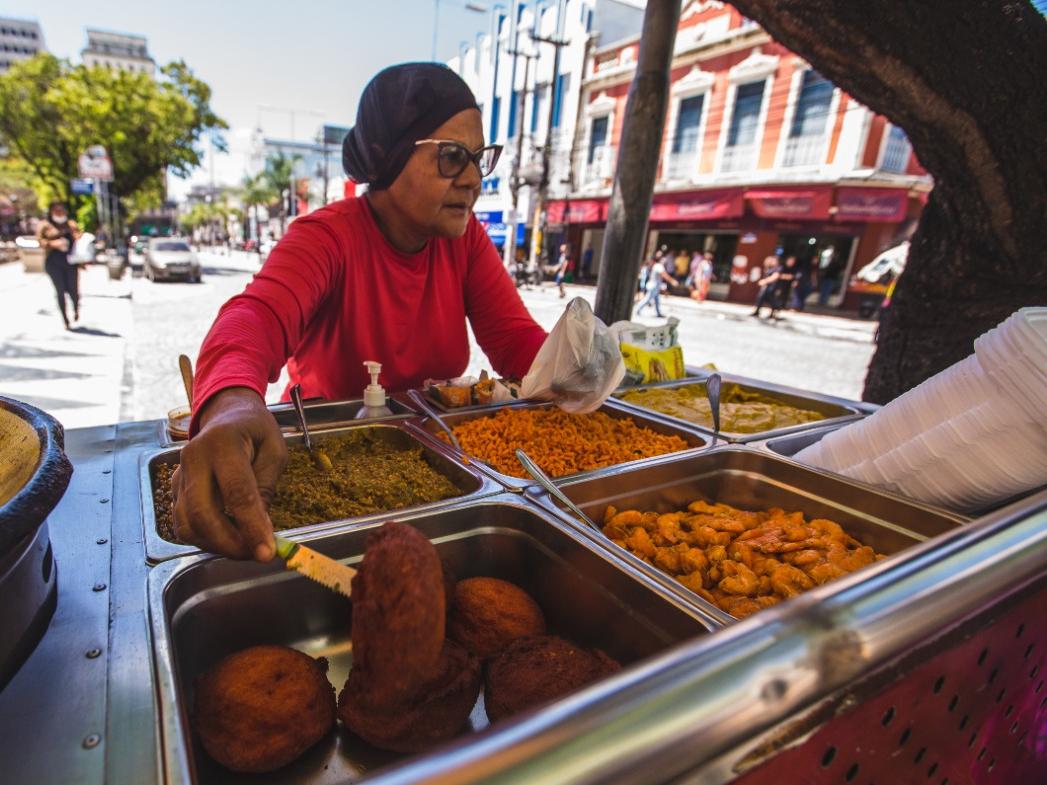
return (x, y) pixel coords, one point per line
(712, 392)
(543, 479)
(422, 404)
(320, 458)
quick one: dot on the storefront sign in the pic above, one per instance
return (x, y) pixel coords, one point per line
(748, 238)
(582, 211)
(808, 204)
(698, 206)
(489, 217)
(871, 204)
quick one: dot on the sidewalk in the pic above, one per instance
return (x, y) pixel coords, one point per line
(77, 376)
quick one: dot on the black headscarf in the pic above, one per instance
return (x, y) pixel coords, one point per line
(400, 105)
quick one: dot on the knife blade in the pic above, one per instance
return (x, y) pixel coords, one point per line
(315, 566)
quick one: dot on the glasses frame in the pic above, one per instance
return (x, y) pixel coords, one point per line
(473, 157)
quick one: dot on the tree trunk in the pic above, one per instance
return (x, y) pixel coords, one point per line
(965, 80)
(638, 152)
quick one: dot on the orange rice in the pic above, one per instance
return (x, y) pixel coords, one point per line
(560, 443)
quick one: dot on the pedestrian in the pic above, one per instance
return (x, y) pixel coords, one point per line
(657, 278)
(681, 263)
(563, 263)
(56, 236)
(701, 276)
(783, 286)
(830, 270)
(587, 263)
(803, 286)
(767, 283)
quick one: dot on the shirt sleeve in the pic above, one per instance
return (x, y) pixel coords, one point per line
(256, 331)
(504, 329)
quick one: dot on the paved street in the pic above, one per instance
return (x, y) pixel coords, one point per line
(120, 363)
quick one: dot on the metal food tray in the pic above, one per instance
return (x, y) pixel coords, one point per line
(791, 444)
(471, 482)
(205, 608)
(640, 416)
(836, 410)
(320, 415)
(750, 480)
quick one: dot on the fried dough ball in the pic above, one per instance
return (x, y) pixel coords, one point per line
(438, 713)
(489, 614)
(534, 671)
(261, 708)
(398, 614)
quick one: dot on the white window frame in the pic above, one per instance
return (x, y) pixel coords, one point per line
(885, 140)
(790, 113)
(696, 82)
(755, 67)
(601, 106)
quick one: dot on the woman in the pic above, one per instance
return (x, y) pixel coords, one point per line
(56, 236)
(563, 265)
(390, 276)
(657, 277)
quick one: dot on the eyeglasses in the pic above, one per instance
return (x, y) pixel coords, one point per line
(453, 157)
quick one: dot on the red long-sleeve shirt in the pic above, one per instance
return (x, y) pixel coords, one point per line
(334, 293)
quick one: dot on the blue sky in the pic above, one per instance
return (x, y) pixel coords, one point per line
(314, 56)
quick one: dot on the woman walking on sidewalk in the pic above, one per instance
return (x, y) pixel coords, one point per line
(57, 235)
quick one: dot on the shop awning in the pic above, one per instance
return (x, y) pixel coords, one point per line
(809, 204)
(888, 205)
(576, 211)
(710, 205)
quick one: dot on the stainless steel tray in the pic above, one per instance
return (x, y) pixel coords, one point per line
(471, 482)
(752, 480)
(205, 608)
(835, 410)
(320, 415)
(791, 444)
(613, 409)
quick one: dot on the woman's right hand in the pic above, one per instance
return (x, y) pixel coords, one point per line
(228, 476)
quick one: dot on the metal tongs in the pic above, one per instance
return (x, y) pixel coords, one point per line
(543, 479)
(712, 392)
(320, 458)
(422, 404)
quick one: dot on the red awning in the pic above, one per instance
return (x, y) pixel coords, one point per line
(711, 205)
(887, 205)
(808, 204)
(576, 211)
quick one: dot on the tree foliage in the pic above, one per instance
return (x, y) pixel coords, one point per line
(51, 111)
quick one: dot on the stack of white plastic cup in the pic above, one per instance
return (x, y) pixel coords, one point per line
(970, 437)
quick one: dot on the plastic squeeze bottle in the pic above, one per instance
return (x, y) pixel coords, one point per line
(374, 395)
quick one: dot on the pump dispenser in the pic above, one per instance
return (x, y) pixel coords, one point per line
(374, 395)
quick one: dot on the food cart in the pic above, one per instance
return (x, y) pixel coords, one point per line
(924, 667)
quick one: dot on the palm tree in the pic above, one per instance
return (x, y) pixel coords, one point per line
(278, 171)
(257, 191)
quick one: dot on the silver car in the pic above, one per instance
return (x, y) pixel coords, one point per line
(171, 257)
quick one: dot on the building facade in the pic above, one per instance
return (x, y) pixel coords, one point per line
(761, 156)
(20, 39)
(120, 51)
(527, 75)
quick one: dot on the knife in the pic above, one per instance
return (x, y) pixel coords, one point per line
(314, 565)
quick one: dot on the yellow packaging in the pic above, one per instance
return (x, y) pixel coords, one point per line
(655, 365)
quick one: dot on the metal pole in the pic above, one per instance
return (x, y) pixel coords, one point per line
(637, 165)
(538, 233)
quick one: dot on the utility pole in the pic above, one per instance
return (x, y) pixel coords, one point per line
(641, 142)
(538, 208)
(514, 178)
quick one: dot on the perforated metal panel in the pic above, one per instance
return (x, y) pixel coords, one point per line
(975, 714)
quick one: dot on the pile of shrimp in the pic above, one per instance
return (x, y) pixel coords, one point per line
(740, 561)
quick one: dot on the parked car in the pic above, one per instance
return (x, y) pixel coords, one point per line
(171, 257)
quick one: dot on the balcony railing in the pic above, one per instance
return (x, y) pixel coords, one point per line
(739, 158)
(803, 150)
(600, 170)
(682, 166)
(896, 156)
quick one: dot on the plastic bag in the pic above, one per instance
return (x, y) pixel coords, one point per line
(83, 251)
(579, 365)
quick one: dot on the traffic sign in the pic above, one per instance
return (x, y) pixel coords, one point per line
(94, 164)
(80, 186)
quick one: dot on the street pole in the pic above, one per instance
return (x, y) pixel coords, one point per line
(514, 177)
(538, 232)
(641, 142)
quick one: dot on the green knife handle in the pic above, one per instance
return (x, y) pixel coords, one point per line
(285, 549)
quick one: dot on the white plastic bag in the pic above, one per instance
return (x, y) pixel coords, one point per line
(83, 251)
(579, 365)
